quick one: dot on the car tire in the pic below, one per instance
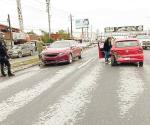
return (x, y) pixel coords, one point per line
(113, 61)
(31, 53)
(70, 59)
(20, 55)
(141, 64)
(80, 56)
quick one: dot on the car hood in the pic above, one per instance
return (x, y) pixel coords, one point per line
(56, 50)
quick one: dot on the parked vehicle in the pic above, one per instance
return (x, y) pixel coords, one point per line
(127, 51)
(145, 41)
(61, 52)
(21, 50)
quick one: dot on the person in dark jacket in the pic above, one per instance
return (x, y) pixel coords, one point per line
(107, 47)
(4, 59)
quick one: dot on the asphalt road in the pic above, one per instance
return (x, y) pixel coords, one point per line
(87, 92)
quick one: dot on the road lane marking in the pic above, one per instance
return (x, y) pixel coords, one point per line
(68, 107)
(84, 64)
(19, 100)
(16, 79)
(131, 88)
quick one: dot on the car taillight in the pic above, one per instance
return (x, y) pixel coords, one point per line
(140, 50)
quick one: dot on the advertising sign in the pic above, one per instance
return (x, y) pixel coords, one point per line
(82, 23)
(19, 36)
(123, 29)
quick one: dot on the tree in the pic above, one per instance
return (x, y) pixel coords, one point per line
(45, 37)
(31, 32)
(63, 34)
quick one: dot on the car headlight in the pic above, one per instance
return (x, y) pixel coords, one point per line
(61, 54)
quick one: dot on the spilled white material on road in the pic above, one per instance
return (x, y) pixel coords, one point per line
(22, 98)
(16, 79)
(130, 90)
(84, 64)
(68, 107)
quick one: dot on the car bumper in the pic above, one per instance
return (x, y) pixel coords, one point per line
(13, 55)
(53, 60)
(130, 60)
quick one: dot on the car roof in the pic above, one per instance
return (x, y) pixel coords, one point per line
(68, 41)
(126, 39)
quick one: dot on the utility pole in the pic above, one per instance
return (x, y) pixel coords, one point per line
(49, 16)
(71, 26)
(10, 30)
(20, 17)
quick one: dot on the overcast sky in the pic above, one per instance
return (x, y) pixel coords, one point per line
(101, 13)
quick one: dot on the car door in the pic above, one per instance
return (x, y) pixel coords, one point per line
(74, 49)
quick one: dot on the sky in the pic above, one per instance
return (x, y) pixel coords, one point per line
(101, 13)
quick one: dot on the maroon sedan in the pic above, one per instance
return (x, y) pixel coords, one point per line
(61, 52)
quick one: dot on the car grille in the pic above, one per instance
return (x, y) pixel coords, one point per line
(52, 55)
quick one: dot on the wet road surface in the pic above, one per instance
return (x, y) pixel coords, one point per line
(87, 92)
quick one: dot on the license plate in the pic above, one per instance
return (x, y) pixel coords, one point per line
(126, 58)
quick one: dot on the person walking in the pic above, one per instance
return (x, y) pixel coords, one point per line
(107, 48)
(4, 59)
(39, 46)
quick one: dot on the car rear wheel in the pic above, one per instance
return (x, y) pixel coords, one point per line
(31, 53)
(70, 60)
(20, 55)
(141, 64)
(113, 61)
(80, 56)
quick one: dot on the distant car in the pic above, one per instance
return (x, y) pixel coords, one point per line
(127, 51)
(21, 50)
(61, 52)
(145, 41)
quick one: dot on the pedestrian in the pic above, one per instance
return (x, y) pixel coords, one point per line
(4, 59)
(39, 46)
(107, 47)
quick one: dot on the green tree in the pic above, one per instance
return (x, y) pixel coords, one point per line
(46, 38)
(64, 35)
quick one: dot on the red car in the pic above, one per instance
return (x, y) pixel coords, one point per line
(127, 51)
(61, 52)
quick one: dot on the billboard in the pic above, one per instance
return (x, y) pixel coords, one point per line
(123, 29)
(20, 36)
(82, 23)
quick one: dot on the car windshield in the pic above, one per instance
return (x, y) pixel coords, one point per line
(60, 45)
(123, 44)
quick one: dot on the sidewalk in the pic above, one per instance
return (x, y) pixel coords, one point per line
(23, 63)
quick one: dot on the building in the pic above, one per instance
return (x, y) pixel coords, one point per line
(4, 29)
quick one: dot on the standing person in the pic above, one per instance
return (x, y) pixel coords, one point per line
(107, 47)
(4, 60)
(39, 46)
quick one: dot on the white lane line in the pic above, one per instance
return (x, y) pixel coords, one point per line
(131, 87)
(68, 107)
(9, 106)
(84, 64)
(16, 79)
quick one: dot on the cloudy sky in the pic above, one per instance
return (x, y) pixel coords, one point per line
(101, 13)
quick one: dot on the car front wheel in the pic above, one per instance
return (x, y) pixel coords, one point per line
(20, 55)
(70, 60)
(113, 61)
(141, 64)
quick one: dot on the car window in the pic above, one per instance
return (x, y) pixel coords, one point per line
(122, 44)
(60, 45)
